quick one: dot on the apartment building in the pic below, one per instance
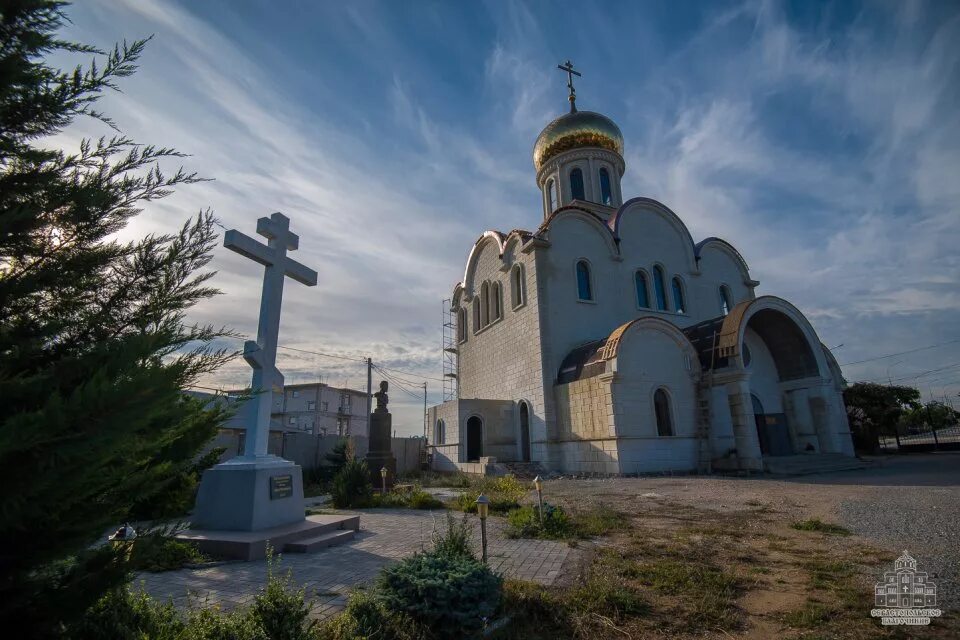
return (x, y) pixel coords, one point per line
(320, 409)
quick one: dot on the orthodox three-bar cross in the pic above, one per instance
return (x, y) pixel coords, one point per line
(568, 67)
(262, 353)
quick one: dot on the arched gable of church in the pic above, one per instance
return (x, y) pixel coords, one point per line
(647, 228)
(577, 227)
(654, 363)
(719, 257)
(488, 247)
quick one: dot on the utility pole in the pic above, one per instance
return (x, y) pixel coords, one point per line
(369, 391)
(424, 409)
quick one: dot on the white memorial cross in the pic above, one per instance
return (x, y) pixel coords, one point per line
(262, 354)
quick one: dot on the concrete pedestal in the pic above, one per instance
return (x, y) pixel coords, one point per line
(380, 454)
(250, 494)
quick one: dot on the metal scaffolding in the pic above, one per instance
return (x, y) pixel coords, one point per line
(449, 346)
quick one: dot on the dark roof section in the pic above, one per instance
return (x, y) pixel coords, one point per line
(586, 361)
(701, 335)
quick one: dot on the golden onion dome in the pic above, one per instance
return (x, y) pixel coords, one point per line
(576, 130)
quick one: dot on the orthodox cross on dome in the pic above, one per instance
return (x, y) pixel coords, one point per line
(568, 67)
(261, 354)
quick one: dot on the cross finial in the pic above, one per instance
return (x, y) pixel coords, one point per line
(568, 67)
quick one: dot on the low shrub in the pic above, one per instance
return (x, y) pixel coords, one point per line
(388, 500)
(367, 618)
(277, 613)
(351, 486)
(420, 499)
(160, 552)
(450, 595)
(455, 540)
(212, 624)
(125, 615)
(280, 611)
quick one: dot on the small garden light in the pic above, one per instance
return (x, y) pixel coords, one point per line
(538, 483)
(383, 479)
(483, 508)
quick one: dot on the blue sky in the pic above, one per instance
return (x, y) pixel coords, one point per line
(821, 139)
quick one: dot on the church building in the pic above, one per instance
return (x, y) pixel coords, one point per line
(606, 340)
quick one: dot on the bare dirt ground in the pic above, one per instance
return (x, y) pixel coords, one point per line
(719, 556)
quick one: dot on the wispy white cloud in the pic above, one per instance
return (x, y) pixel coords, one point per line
(826, 155)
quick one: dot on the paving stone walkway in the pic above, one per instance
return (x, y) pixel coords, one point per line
(385, 536)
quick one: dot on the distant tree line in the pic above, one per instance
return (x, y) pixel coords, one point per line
(876, 410)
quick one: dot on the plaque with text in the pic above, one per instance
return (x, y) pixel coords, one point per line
(281, 487)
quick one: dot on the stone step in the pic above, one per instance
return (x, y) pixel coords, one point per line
(321, 541)
(804, 465)
(252, 545)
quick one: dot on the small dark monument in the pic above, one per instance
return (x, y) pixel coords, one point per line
(379, 454)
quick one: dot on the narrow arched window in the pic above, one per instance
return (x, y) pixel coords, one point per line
(661, 407)
(517, 297)
(576, 185)
(726, 301)
(497, 301)
(643, 295)
(551, 195)
(659, 288)
(485, 303)
(476, 314)
(605, 196)
(584, 289)
(679, 304)
(440, 433)
(462, 325)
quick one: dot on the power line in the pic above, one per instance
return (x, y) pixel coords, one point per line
(914, 377)
(891, 355)
(358, 359)
(400, 386)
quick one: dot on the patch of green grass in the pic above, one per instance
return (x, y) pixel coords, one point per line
(811, 615)
(416, 498)
(599, 521)
(603, 594)
(505, 494)
(558, 524)
(828, 574)
(707, 593)
(815, 524)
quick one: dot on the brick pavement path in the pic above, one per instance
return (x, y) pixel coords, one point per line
(328, 575)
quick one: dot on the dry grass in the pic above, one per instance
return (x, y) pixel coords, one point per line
(681, 572)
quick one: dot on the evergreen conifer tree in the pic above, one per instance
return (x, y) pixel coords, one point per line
(95, 350)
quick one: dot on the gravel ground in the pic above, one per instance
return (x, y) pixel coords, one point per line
(907, 502)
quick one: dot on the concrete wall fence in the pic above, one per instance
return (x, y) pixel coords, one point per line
(310, 451)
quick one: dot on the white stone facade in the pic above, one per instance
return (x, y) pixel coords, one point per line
(587, 375)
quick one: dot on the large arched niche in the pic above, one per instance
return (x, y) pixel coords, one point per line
(574, 222)
(640, 218)
(786, 332)
(491, 241)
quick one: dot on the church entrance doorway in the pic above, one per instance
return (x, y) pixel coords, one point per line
(524, 432)
(474, 439)
(771, 430)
